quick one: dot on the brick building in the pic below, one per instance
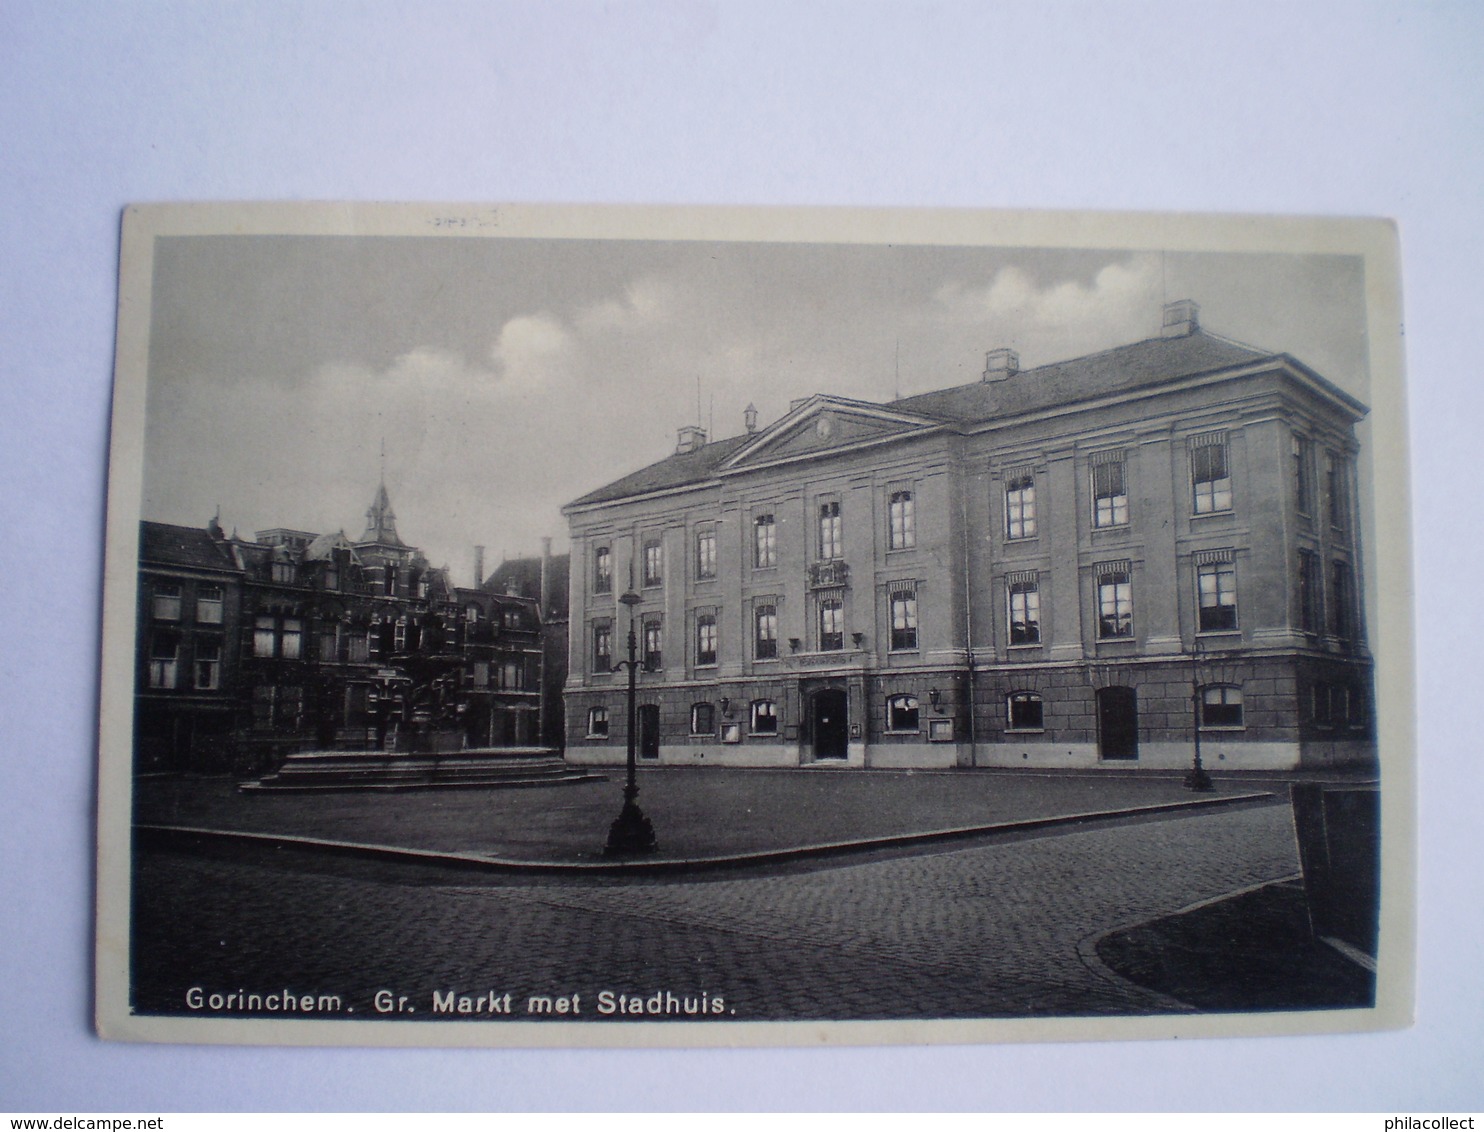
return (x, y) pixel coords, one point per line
(1058, 567)
(249, 650)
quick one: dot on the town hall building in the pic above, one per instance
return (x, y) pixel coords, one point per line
(1075, 565)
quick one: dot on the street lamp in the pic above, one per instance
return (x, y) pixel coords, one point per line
(1197, 779)
(631, 832)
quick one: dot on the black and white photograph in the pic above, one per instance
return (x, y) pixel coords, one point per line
(643, 626)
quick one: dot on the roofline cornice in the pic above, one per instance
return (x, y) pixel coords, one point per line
(1284, 363)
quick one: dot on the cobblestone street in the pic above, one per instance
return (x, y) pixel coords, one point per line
(991, 930)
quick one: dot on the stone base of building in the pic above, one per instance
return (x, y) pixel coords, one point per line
(1216, 755)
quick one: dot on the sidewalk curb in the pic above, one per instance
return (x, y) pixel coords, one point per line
(190, 838)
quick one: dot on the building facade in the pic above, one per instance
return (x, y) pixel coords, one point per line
(1076, 565)
(545, 580)
(250, 650)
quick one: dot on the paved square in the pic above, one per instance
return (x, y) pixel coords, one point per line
(989, 930)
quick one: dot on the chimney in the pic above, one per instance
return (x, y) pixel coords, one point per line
(1000, 364)
(478, 566)
(1181, 319)
(749, 417)
(691, 438)
(546, 577)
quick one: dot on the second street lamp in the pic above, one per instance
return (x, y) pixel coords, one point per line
(631, 832)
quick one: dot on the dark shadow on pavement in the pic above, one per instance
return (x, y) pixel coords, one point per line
(1253, 951)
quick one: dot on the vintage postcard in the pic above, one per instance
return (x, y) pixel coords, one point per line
(655, 626)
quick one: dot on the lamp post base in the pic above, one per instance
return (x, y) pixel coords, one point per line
(631, 833)
(1198, 779)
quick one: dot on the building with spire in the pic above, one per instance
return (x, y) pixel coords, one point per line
(250, 650)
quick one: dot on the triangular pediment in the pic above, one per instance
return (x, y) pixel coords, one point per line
(824, 424)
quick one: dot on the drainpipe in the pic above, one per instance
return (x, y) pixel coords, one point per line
(541, 615)
(963, 515)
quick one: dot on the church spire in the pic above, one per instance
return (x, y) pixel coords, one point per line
(381, 520)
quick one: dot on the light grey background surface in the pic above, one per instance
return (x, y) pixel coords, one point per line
(1314, 108)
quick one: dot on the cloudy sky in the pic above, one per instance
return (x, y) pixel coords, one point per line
(510, 376)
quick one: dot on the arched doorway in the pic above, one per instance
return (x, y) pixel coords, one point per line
(649, 731)
(1118, 724)
(830, 723)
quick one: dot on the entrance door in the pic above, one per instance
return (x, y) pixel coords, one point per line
(830, 724)
(1118, 723)
(649, 731)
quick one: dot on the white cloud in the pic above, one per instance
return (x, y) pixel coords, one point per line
(1063, 319)
(532, 352)
(644, 304)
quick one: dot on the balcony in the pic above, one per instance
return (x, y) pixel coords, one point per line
(829, 574)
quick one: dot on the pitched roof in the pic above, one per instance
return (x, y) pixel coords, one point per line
(525, 573)
(171, 545)
(1152, 362)
(673, 471)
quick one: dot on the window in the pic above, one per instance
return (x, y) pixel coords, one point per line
(1109, 490)
(264, 636)
(602, 570)
(1020, 505)
(1211, 473)
(903, 521)
(829, 530)
(705, 638)
(654, 563)
(166, 602)
(654, 644)
(831, 624)
(597, 723)
(1025, 711)
(706, 553)
(285, 572)
(764, 717)
(1321, 709)
(329, 642)
(1024, 592)
(1216, 590)
(903, 616)
(702, 719)
(1339, 704)
(332, 576)
(512, 676)
(1221, 706)
(602, 646)
(293, 638)
(764, 542)
(471, 615)
(1358, 712)
(1115, 601)
(479, 674)
(164, 649)
(512, 617)
(358, 643)
(765, 637)
(399, 635)
(901, 713)
(1336, 485)
(1311, 595)
(209, 605)
(1303, 474)
(208, 664)
(1339, 601)
(263, 697)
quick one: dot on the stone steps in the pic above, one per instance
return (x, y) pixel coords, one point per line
(511, 768)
